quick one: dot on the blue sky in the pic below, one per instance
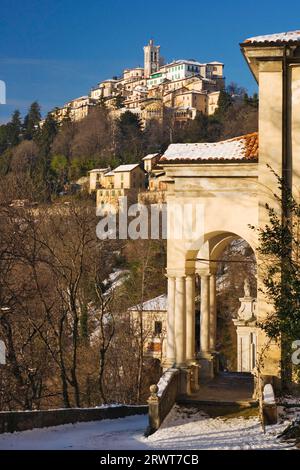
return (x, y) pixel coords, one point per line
(54, 50)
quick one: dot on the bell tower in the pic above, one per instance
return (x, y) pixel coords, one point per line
(151, 58)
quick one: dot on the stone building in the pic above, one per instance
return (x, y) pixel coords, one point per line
(156, 181)
(96, 178)
(153, 313)
(125, 180)
(150, 161)
(76, 110)
(229, 184)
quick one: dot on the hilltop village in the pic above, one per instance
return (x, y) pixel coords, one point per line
(181, 87)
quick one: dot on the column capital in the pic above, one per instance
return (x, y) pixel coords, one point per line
(203, 272)
(190, 275)
(175, 273)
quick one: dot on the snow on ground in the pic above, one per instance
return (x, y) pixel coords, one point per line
(190, 429)
(290, 400)
(183, 429)
(110, 434)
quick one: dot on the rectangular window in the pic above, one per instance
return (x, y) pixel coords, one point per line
(157, 328)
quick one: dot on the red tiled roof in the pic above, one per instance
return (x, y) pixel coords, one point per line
(251, 144)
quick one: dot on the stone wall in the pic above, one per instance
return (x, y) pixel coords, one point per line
(163, 397)
(11, 421)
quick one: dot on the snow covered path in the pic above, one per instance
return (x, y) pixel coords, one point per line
(190, 429)
(109, 434)
(182, 430)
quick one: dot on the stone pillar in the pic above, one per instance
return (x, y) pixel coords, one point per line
(246, 333)
(213, 312)
(205, 358)
(190, 318)
(204, 316)
(171, 357)
(180, 321)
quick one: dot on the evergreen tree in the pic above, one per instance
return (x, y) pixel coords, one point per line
(224, 103)
(101, 103)
(46, 134)
(196, 130)
(3, 138)
(130, 137)
(32, 121)
(14, 129)
(119, 101)
(44, 139)
(255, 99)
(279, 249)
(251, 100)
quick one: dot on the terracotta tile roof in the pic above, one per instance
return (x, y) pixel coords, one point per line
(251, 143)
(239, 149)
(290, 37)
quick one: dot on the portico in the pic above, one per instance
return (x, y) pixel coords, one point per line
(224, 187)
(181, 347)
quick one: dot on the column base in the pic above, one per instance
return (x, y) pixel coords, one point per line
(195, 373)
(180, 365)
(206, 362)
(168, 363)
(185, 381)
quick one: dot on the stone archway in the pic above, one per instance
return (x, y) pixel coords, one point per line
(201, 264)
(207, 262)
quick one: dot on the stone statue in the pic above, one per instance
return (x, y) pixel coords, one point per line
(247, 292)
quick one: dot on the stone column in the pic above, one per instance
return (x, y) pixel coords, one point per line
(190, 318)
(180, 321)
(204, 316)
(213, 312)
(170, 359)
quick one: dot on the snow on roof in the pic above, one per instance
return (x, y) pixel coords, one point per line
(158, 304)
(97, 170)
(197, 92)
(126, 167)
(277, 38)
(133, 68)
(239, 148)
(85, 97)
(150, 156)
(141, 88)
(182, 61)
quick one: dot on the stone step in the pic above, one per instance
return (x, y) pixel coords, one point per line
(215, 409)
(186, 400)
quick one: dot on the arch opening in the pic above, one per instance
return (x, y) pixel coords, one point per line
(228, 333)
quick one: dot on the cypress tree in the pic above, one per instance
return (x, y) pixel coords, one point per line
(32, 121)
